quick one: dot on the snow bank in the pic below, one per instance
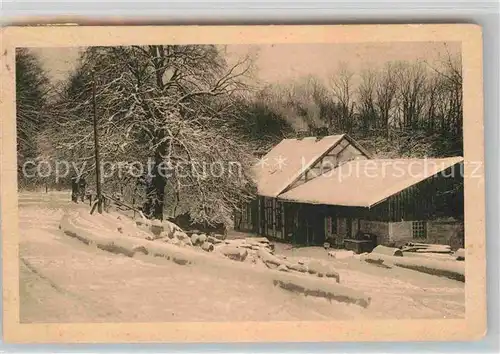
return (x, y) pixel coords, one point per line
(341, 254)
(323, 270)
(207, 246)
(103, 232)
(158, 228)
(387, 251)
(116, 242)
(459, 255)
(234, 253)
(112, 222)
(432, 255)
(127, 246)
(452, 270)
(313, 267)
(271, 260)
(198, 240)
(310, 286)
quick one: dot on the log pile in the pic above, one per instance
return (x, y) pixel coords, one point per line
(207, 246)
(389, 251)
(449, 269)
(341, 254)
(112, 234)
(234, 253)
(313, 286)
(426, 248)
(258, 251)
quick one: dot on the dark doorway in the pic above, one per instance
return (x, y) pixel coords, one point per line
(349, 227)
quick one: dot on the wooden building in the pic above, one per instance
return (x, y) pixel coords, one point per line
(313, 190)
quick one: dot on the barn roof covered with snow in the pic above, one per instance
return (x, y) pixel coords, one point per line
(290, 159)
(364, 183)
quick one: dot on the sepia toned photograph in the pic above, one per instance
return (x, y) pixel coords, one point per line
(245, 182)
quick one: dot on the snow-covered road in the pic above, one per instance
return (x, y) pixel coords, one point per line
(63, 280)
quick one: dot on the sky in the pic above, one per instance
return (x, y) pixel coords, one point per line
(279, 63)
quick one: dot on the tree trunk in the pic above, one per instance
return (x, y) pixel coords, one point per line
(155, 191)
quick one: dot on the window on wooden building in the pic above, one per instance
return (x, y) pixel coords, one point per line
(419, 229)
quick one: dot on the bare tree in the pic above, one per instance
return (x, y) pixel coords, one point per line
(385, 95)
(367, 101)
(32, 89)
(451, 86)
(411, 80)
(343, 91)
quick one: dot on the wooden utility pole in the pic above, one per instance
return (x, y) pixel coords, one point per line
(96, 148)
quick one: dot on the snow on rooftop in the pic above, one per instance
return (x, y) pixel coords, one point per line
(286, 161)
(364, 183)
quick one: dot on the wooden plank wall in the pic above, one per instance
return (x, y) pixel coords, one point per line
(434, 197)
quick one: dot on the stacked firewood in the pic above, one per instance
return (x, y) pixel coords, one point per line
(426, 248)
(435, 249)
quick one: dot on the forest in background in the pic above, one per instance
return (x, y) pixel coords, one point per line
(188, 104)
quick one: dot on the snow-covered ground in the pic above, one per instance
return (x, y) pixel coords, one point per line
(63, 280)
